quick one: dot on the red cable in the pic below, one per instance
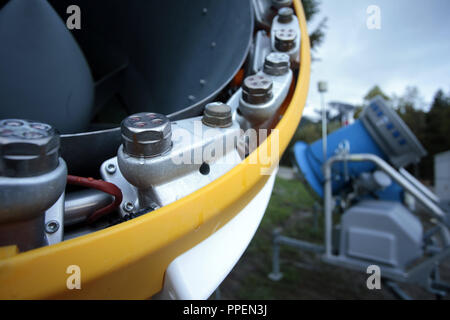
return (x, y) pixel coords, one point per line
(101, 185)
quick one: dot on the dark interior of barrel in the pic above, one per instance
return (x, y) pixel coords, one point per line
(169, 57)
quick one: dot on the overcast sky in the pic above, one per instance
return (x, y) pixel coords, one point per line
(412, 48)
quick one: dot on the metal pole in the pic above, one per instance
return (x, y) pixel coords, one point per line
(324, 127)
(394, 174)
(276, 275)
(328, 207)
(419, 185)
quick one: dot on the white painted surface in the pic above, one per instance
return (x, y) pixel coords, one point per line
(198, 272)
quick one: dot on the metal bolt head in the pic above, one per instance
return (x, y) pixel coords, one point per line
(217, 115)
(277, 63)
(146, 134)
(281, 3)
(111, 168)
(52, 226)
(27, 148)
(257, 89)
(128, 207)
(285, 15)
(258, 84)
(285, 39)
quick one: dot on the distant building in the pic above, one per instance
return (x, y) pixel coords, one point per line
(346, 112)
(442, 177)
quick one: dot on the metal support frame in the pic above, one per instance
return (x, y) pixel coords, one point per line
(436, 211)
(419, 274)
(396, 290)
(425, 273)
(419, 185)
(279, 240)
(275, 275)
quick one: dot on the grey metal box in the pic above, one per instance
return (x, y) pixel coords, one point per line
(382, 232)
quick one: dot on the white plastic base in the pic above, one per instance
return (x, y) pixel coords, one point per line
(198, 272)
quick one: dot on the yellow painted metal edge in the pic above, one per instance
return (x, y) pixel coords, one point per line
(128, 261)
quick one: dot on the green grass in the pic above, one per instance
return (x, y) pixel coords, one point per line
(287, 196)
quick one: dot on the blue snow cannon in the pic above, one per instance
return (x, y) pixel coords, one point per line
(379, 131)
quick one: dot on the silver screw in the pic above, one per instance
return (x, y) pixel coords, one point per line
(276, 64)
(128, 207)
(146, 134)
(285, 39)
(257, 89)
(285, 15)
(111, 168)
(52, 226)
(217, 114)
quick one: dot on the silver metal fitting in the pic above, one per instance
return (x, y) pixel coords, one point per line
(27, 148)
(281, 3)
(217, 115)
(128, 207)
(32, 179)
(285, 15)
(191, 163)
(257, 89)
(111, 168)
(285, 39)
(277, 64)
(52, 226)
(146, 134)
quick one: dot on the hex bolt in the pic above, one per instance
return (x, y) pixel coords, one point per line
(257, 89)
(217, 115)
(285, 39)
(281, 3)
(277, 64)
(146, 134)
(52, 226)
(27, 148)
(285, 15)
(128, 207)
